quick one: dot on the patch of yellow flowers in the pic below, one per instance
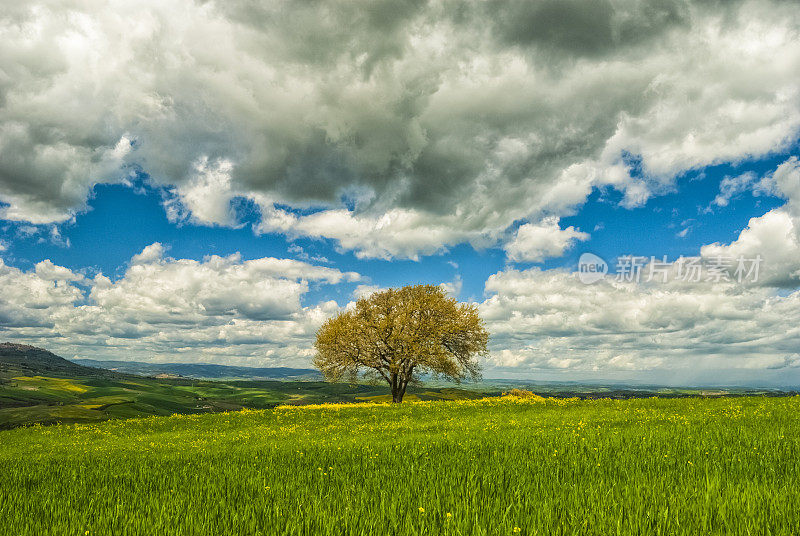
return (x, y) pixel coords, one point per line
(506, 399)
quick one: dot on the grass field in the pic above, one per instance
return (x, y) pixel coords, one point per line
(492, 466)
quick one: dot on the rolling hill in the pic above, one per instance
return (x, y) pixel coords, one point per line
(37, 386)
(21, 358)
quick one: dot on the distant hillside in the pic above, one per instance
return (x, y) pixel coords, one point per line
(32, 360)
(204, 371)
(37, 386)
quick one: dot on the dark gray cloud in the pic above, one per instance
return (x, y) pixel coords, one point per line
(573, 26)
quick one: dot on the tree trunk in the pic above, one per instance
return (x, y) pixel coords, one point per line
(397, 391)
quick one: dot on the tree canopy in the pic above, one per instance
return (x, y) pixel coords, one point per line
(399, 334)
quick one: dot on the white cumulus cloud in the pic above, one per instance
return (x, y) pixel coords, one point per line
(221, 309)
(537, 242)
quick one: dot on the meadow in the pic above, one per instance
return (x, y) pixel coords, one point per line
(471, 467)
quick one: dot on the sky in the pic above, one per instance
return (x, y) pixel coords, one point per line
(614, 184)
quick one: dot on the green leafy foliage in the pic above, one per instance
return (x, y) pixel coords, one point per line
(399, 334)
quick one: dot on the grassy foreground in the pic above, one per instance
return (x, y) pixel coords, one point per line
(492, 466)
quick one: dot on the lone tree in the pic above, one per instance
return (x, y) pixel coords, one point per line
(398, 334)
